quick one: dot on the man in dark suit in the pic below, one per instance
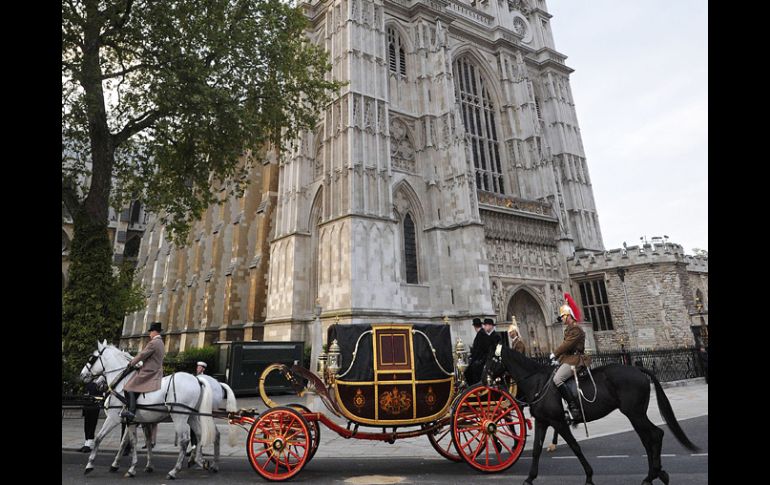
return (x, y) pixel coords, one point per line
(486, 340)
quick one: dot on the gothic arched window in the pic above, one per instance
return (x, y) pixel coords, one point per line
(136, 208)
(410, 249)
(479, 121)
(131, 250)
(396, 56)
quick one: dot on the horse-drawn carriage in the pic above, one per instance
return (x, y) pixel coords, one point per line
(392, 376)
(387, 376)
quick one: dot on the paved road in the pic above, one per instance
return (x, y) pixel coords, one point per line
(617, 460)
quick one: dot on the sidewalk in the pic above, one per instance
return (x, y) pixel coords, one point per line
(689, 399)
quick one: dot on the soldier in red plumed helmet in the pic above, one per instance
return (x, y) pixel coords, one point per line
(570, 352)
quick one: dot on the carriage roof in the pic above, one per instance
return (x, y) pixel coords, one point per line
(424, 338)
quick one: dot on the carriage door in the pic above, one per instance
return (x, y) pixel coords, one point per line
(394, 373)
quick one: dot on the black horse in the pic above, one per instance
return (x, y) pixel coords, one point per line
(617, 387)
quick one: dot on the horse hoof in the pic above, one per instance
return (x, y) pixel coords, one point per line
(213, 469)
(170, 477)
(128, 475)
(113, 469)
(149, 469)
(663, 477)
(87, 471)
(527, 482)
(645, 482)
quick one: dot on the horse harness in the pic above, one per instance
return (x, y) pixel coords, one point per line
(150, 407)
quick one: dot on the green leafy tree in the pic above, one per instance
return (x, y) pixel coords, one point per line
(163, 100)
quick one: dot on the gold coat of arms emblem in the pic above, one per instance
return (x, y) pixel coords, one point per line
(395, 402)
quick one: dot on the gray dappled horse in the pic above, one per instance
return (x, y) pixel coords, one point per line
(181, 396)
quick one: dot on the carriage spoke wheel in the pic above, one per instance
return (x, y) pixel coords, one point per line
(441, 439)
(488, 429)
(278, 444)
(315, 430)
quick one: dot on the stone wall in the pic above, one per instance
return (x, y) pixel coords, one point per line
(651, 292)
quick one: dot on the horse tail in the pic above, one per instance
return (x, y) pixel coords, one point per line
(208, 429)
(232, 406)
(664, 406)
(233, 436)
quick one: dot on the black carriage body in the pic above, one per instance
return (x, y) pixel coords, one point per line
(401, 374)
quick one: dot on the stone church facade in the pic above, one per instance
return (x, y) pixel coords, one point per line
(447, 181)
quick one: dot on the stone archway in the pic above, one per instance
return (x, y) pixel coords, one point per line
(531, 322)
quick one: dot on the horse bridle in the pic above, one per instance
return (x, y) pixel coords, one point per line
(94, 358)
(498, 358)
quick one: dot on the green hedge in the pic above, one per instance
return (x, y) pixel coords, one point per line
(186, 361)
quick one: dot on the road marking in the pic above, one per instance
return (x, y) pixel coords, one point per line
(662, 456)
(374, 480)
(612, 456)
(564, 457)
(700, 454)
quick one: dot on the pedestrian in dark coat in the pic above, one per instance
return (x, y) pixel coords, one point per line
(486, 340)
(91, 415)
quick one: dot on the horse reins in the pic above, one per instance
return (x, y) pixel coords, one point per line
(499, 359)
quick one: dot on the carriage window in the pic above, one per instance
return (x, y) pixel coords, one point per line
(410, 250)
(596, 305)
(480, 126)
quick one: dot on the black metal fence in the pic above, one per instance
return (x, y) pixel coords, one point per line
(667, 364)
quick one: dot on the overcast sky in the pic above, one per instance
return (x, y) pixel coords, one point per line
(640, 87)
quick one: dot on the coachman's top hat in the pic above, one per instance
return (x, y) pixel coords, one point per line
(154, 326)
(489, 321)
(476, 322)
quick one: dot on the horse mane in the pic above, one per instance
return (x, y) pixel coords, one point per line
(530, 365)
(122, 353)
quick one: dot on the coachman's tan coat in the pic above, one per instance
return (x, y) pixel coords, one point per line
(148, 378)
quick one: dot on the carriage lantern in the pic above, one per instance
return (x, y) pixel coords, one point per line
(461, 356)
(321, 370)
(333, 359)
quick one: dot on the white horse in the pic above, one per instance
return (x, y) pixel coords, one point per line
(183, 397)
(221, 395)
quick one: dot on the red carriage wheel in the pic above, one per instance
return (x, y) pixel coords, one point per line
(441, 439)
(315, 430)
(488, 429)
(278, 444)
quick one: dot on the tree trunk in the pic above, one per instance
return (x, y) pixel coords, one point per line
(90, 311)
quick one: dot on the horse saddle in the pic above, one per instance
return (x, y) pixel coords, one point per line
(585, 381)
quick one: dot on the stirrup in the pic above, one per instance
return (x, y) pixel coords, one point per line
(571, 418)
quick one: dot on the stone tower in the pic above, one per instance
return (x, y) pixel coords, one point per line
(447, 181)
(448, 178)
